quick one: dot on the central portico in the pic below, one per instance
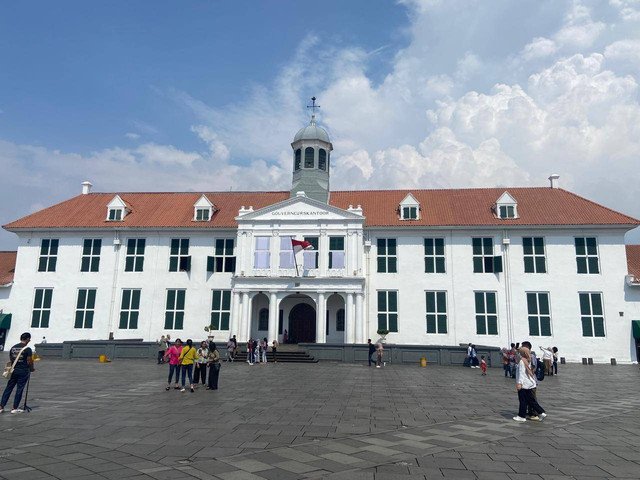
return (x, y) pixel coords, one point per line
(275, 289)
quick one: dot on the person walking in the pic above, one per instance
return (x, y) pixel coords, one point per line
(235, 348)
(214, 366)
(380, 354)
(474, 358)
(372, 350)
(555, 361)
(21, 359)
(525, 381)
(173, 355)
(256, 351)
(483, 365)
(265, 346)
(250, 351)
(547, 358)
(274, 350)
(201, 364)
(168, 340)
(505, 361)
(512, 360)
(467, 360)
(187, 357)
(285, 336)
(231, 346)
(162, 348)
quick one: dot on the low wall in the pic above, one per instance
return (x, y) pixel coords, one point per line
(94, 348)
(435, 354)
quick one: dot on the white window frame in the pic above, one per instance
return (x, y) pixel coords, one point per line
(483, 255)
(41, 308)
(435, 255)
(180, 255)
(386, 256)
(91, 256)
(129, 310)
(534, 256)
(115, 214)
(591, 315)
(85, 309)
(436, 312)
(586, 256)
(538, 315)
(388, 312)
(174, 310)
(263, 251)
(206, 214)
(135, 255)
(486, 314)
(220, 311)
(47, 256)
(224, 256)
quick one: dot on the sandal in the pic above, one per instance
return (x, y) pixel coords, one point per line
(168, 388)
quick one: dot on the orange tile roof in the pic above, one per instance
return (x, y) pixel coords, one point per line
(462, 207)
(7, 267)
(633, 261)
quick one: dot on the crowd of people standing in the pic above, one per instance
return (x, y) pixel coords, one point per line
(183, 359)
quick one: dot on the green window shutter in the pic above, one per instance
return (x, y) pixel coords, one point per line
(135, 300)
(175, 246)
(52, 264)
(428, 246)
(543, 299)
(477, 265)
(492, 326)
(497, 263)
(226, 300)
(179, 320)
(431, 323)
(481, 328)
(442, 324)
(532, 304)
(545, 326)
(541, 265)
(180, 300)
(587, 330)
(215, 321)
(585, 308)
(88, 320)
(598, 326)
(533, 326)
(141, 245)
(393, 301)
(44, 319)
(580, 246)
(442, 302)
(528, 265)
(184, 246)
(216, 300)
(48, 295)
(124, 321)
(53, 247)
(171, 299)
(382, 265)
(224, 321)
(382, 321)
(35, 319)
(596, 304)
(382, 301)
(139, 264)
(82, 298)
(476, 244)
(95, 264)
(393, 265)
(85, 264)
(592, 246)
(210, 264)
(126, 299)
(527, 245)
(479, 299)
(79, 319)
(168, 320)
(431, 302)
(391, 246)
(44, 246)
(440, 265)
(491, 303)
(429, 265)
(37, 301)
(91, 299)
(503, 211)
(593, 265)
(393, 322)
(128, 264)
(42, 264)
(173, 264)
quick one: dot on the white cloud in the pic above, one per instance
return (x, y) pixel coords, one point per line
(132, 136)
(539, 47)
(625, 51)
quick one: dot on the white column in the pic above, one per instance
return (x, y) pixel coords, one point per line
(321, 318)
(359, 319)
(242, 331)
(235, 314)
(273, 317)
(348, 320)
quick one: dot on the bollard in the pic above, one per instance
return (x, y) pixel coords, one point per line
(590, 361)
(563, 360)
(613, 361)
(584, 361)
(423, 362)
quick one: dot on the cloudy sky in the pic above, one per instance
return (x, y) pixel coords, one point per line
(195, 95)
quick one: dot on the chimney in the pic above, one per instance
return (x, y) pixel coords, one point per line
(553, 180)
(86, 187)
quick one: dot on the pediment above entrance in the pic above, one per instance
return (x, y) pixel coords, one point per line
(301, 208)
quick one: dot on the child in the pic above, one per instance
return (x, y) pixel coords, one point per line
(483, 365)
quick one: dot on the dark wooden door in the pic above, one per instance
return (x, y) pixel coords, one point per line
(302, 324)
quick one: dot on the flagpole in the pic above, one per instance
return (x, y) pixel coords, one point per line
(295, 262)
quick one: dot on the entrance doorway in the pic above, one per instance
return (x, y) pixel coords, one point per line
(302, 324)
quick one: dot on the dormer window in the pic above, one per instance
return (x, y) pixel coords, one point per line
(203, 210)
(506, 206)
(409, 208)
(116, 210)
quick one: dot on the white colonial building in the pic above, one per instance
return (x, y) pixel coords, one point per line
(434, 267)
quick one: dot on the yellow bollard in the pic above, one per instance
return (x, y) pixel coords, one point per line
(423, 362)
(103, 358)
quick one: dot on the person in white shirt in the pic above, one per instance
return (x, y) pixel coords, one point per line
(547, 358)
(525, 381)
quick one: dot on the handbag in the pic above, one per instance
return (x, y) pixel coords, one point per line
(540, 373)
(9, 368)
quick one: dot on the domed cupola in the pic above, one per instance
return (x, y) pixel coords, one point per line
(311, 152)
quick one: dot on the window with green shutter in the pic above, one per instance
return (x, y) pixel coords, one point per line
(486, 313)
(592, 314)
(224, 259)
(48, 255)
(436, 312)
(134, 257)
(129, 309)
(388, 310)
(90, 261)
(41, 308)
(539, 314)
(587, 261)
(534, 255)
(179, 259)
(220, 309)
(387, 255)
(85, 308)
(310, 257)
(483, 258)
(174, 312)
(434, 259)
(409, 213)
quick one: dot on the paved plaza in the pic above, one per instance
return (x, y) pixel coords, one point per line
(327, 420)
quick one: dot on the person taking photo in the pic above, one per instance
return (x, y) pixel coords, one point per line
(21, 360)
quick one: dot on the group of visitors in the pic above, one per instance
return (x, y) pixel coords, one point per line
(472, 358)
(377, 349)
(549, 364)
(257, 351)
(182, 360)
(526, 386)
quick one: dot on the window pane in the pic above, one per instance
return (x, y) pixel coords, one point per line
(128, 264)
(226, 300)
(35, 319)
(579, 243)
(48, 293)
(44, 247)
(131, 246)
(479, 297)
(139, 264)
(582, 264)
(173, 264)
(175, 246)
(585, 309)
(224, 321)
(488, 245)
(37, 301)
(545, 326)
(428, 246)
(141, 244)
(481, 328)
(477, 246)
(44, 319)
(393, 301)
(429, 265)
(538, 243)
(88, 319)
(184, 246)
(382, 321)
(439, 265)
(382, 246)
(42, 264)
(598, 326)
(382, 301)
(126, 299)
(442, 302)
(95, 264)
(217, 300)
(491, 302)
(391, 246)
(431, 324)
(91, 299)
(53, 246)
(593, 265)
(477, 265)
(587, 330)
(86, 247)
(168, 320)
(527, 245)
(219, 246)
(230, 264)
(133, 320)
(541, 265)
(82, 298)
(124, 317)
(439, 246)
(406, 213)
(596, 304)
(52, 264)
(322, 159)
(180, 300)
(532, 304)
(503, 211)
(382, 265)
(431, 302)
(336, 243)
(543, 298)
(528, 265)
(442, 324)
(79, 319)
(393, 322)
(533, 326)
(393, 265)
(171, 299)
(488, 264)
(492, 322)
(135, 300)
(215, 320)
(592, 249)
(308, 157)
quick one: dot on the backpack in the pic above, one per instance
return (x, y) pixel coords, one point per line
(540, 373)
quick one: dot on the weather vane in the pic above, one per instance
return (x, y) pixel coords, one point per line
(313, 107)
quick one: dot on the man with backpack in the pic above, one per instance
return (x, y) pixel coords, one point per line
(19, 369)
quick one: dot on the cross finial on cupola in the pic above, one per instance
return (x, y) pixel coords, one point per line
(313, 107)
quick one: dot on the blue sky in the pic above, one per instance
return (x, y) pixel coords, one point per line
(199, 95)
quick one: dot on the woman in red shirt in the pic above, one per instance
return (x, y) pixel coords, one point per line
(173, 354)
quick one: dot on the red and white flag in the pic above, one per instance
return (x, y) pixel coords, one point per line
(298, 245)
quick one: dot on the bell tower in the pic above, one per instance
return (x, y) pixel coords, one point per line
(311, 155)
